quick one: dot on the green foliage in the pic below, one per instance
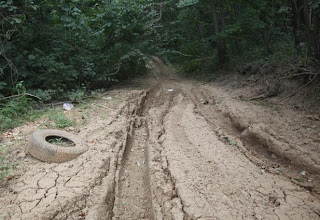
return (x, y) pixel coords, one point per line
(62, 45)
(60, 119)
(76, 96)
(58, 48)
(17, 109)
(12, 111)
(63, 142)
(185, 3)
(196, 32)
(45, 95)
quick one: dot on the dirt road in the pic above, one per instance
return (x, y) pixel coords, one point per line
(168, 151)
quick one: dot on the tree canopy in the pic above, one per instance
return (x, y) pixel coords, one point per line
(52, 47)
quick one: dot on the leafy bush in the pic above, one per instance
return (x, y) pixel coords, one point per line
(12, 111)
(79, 43)
(45, 95)
(76, 96)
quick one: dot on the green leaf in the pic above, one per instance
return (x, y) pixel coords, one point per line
(185, 3)
(17, 20)
(34, 7)
(2, 85)
(299, 180)
(31, 57)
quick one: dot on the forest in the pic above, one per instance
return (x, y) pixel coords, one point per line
(65, 49)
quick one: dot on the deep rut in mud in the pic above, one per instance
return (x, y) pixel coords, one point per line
(145, 188)
(133, 196)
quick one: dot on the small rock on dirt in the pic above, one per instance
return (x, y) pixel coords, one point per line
(71, 129)
(21, 155)
(314, 117)
(275, 201)
(205, 102)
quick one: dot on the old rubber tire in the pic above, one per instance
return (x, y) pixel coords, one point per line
(39, 148)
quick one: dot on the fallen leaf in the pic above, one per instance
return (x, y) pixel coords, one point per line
(299, 180)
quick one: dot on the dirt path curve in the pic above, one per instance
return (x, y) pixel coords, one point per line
(161, 155)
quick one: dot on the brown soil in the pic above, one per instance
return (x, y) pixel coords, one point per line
(194, 152)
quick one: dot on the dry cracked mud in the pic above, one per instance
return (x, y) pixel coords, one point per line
(173, 149)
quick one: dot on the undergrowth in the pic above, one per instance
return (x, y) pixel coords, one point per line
(17, 111)
(60, 119)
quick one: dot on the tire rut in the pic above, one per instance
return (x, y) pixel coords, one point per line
(133, 191)
(145, 188)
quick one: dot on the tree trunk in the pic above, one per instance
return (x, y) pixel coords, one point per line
(224, 43)
(296, 25)
(316, 33)
(221, 45)
(199, 25)
(307, 12)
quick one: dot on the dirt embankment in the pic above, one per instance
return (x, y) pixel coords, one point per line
(174, 149)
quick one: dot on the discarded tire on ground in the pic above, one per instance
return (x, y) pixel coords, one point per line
(41, 149)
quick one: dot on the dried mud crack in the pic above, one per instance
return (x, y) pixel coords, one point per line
(165, 153)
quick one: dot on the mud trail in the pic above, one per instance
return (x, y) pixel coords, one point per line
(168, 154)
(194, 174)
(133, 196)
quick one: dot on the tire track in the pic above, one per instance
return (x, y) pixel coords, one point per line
(133, 191)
